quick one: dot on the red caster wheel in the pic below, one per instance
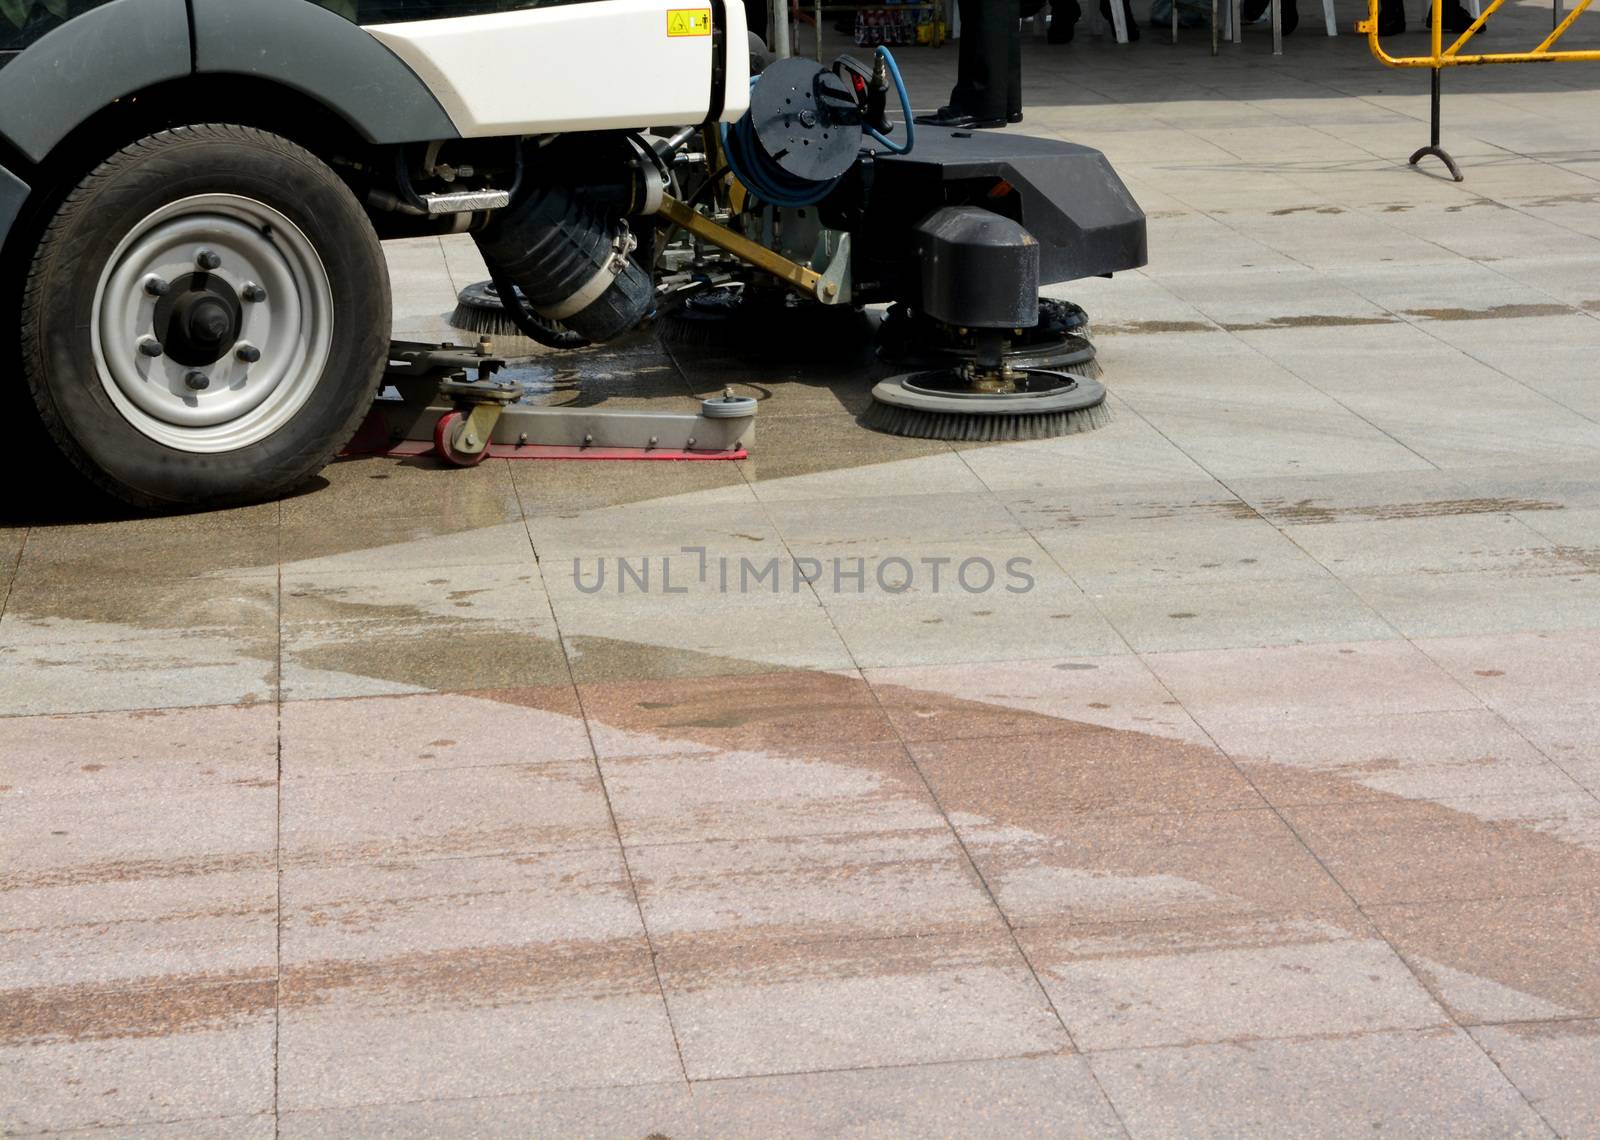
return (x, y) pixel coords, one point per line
(444, 442)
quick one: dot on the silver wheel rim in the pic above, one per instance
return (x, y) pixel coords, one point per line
(289, 331)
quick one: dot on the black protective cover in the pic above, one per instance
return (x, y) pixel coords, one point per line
(1068, 196)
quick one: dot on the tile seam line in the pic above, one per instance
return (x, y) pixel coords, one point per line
(277, 878)
(994, 902)
(605, 790)
(1377, 932)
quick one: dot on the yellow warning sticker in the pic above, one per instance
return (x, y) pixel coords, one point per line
(689, 22)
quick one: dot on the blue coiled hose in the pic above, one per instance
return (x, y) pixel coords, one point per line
(776, 186)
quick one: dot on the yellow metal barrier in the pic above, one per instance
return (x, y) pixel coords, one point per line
(1442, 57)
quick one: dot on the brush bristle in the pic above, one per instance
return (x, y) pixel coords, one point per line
(982, 429)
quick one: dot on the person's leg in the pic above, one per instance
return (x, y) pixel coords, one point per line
(1013, 61)
(982, 67)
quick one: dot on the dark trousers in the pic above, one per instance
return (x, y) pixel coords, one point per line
(755, 17)
(989, 70)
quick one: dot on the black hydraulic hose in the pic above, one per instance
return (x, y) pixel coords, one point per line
(530, 324)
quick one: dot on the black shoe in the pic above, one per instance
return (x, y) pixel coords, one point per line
(1127, 18)
(1252, 10)
(957, 120)
(1013, 116)
(1456, 19)
(1391, 19)
(1064, 17)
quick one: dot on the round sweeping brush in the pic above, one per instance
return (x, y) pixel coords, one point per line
(1058, 343)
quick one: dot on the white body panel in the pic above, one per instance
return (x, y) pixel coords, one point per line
(575, 67)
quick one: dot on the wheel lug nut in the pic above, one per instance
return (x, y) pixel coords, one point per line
(253, 292)
(156, 287)
(207, 260)
(248, 353)
(196, 380)
(150, 346)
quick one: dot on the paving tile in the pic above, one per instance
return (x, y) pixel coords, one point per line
(1518, 670)
(77, 1059)
(48, 674)
(794, 710)
(401, 910)
(1312, 683)
(98, 753)
(635, 1110)
(567, 488)
(329, 659)
(1412, 851)
(762, 793)
(731, 524)
(1419, 1083)
(1502, 959)
(1568, 734)
(1176, 552)
(45, 611)
(1228, 615)
(666, 637)
(378, 544)
(1130, 986)
(1117, 868)
(1556, 1065)
(432, 730)
(1027, 698)
(150, 549)
(1428, 545)
(1031, 1096)
(511, 592)
(444, 813)
(364, 488)
(483, 1021)
(1471, 602)
(1440, 757)
(993, 625)
(262, 1126)
(775, 1007)
(1043, 782)
(808, 889)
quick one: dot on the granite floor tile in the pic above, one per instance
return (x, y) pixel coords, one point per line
(1308, 683)
(1109, 868)
(1556, 1065)
(76, 1059)
(48, 674)
(261, 1126)
(510, 809)
(634, 1110)
(1239, 615)
(98, 753)
(509, 593)
(790, 710)
(797, 889)
(432, 730)
(1027, 1096)
(483, 1021)
(1511, 671)
(1179, 552)
(399, 910)
(1404, 851)
(679, 797)
(1503, 959)
(1043, 782)
(374, 657)
(774, 1007)
(1132, 986)
(1440, 757)
(361, 488)
(45, 611)
(1565, 597)
(1029, 698)
(424, 542)
(1049, 621)
(1415, 1083)
(148, 549)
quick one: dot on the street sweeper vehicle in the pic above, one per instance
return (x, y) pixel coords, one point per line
(193, 194)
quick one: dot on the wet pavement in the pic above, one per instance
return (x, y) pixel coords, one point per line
(1231, 769)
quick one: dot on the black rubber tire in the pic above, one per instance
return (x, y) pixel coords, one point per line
(58, 304)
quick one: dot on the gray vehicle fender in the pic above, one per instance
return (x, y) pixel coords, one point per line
(86, 64)
(304, 46)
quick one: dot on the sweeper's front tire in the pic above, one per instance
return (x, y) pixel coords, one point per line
(206, 319)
